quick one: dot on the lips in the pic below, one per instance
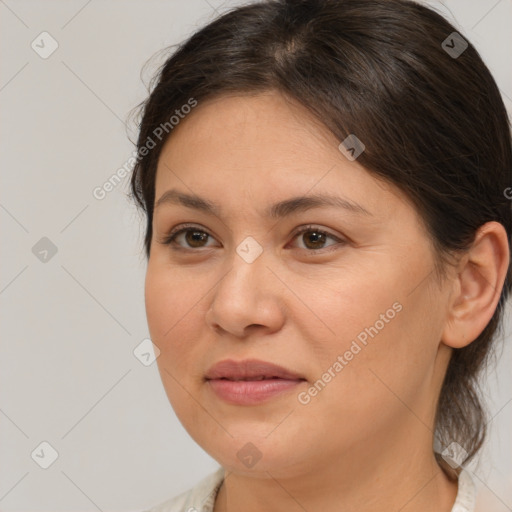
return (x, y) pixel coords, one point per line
(250, 382)
(249, 370)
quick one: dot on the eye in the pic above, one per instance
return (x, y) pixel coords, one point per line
(315, 238)
(195, 238)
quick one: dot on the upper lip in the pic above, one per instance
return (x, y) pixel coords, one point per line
(249, 369)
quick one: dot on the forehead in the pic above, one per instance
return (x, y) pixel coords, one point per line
(261, 147)
(266, 127)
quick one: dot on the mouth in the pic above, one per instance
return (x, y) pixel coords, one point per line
(250, 382)
(250, 369)
(255, 378)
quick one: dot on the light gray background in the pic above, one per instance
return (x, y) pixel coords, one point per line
(68, 374)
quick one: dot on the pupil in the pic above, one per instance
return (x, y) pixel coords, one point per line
(196, 236)
(318, 238)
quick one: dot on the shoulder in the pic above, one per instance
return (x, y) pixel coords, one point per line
(199, 498)
(466, 495)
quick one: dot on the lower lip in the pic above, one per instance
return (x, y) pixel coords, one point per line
(249, 392)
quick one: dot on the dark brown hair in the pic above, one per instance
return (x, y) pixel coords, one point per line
(433, 124)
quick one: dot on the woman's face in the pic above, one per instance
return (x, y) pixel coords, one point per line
(355, 312)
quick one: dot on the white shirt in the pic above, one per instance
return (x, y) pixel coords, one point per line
(201, 498)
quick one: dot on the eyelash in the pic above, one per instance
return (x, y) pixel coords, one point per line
(171, 237)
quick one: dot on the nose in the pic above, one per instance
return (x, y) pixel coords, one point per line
(247, 297)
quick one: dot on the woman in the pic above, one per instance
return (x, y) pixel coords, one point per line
(328, 240)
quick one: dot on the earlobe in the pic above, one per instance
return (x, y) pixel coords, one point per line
(477, 286)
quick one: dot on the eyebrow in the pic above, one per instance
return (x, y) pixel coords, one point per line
(276, 211)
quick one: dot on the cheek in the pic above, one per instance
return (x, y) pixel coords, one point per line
(356, 307)
(381, 339)
(167, 300)
(172, 309)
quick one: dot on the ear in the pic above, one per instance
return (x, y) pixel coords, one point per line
(477, 286)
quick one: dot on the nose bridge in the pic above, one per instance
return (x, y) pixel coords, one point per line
(247, 273)
(249, 250)
(243, 296)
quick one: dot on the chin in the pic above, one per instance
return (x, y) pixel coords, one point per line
(249, 455)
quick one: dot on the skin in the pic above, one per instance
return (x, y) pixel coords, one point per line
(364, 443)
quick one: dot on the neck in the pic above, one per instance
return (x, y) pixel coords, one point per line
(373, 477)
